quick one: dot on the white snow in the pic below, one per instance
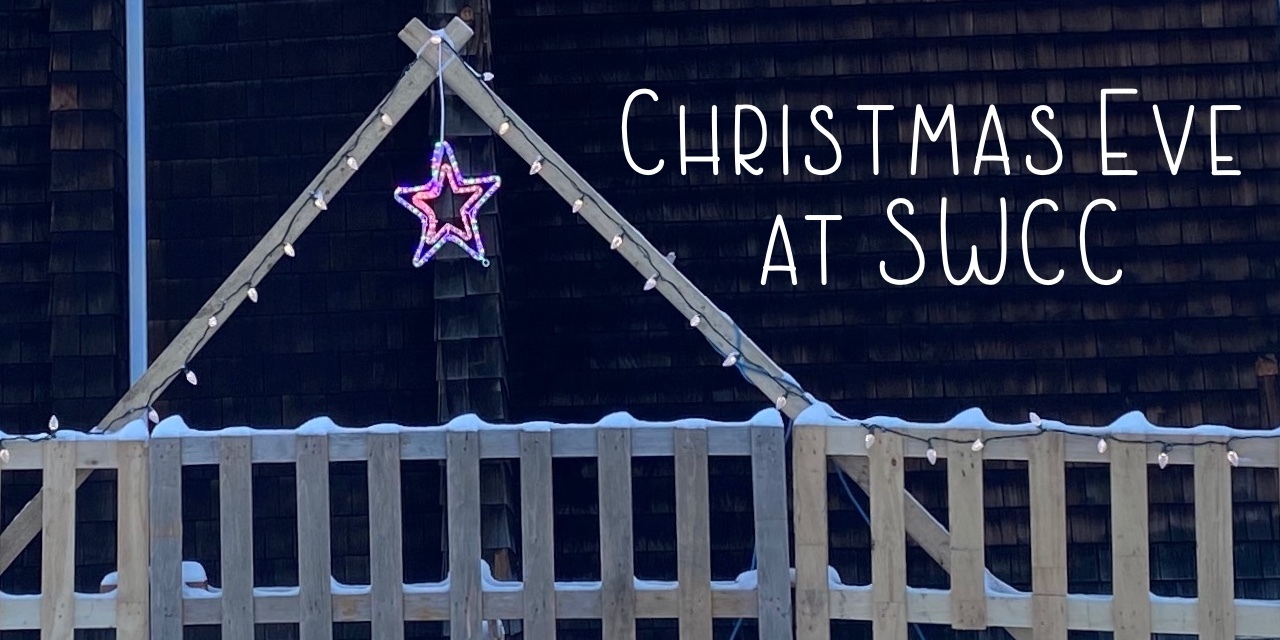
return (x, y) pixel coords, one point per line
(1132, 423)
(176, 427)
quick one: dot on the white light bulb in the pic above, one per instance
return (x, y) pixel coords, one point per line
(780, 403)
(386, 119)
(1102, 445)
(931, 455)
(53, 423)
(253, 294)
(1233, 458)
(353, 163)
(577, 205)
(1162, 459)
(153, 416)
(671, 257)
(730, 360)
(651, 282)
(870, 440)
(213, 321)
(436, 40)
(536, 166)
(615, 243)
(695, 320)
(4, 455)
(319, 201)
(487, 76)
(288, 250)
(504, 128)
(1035, 419)
(191, 377)
(977, 445)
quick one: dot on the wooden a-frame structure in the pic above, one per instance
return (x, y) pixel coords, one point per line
(811, 612)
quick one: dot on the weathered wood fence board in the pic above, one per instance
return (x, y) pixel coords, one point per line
(1215, 570)
(773, 561)
(314, 570)
(965, 511)
(463, 478)
(888, 540)
(1130, 546)
(809, 479)
(58, 552)
(617, 562)
(1046, 471)
(386, 538)
(537, 527)
(693, 534)
(235, 497)
(166, 537)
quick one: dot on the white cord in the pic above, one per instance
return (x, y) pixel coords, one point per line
(440, 78)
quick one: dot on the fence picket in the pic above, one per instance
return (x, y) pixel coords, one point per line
(235, 498)
(166, 537)
(1047, 481)
(315, 593)
(386, 538)
(693, 534)
(537, 519)
(463, 473)
(888, 540)
(617, 563)
(809, 484)
(58, 548)
(769, 492)
(1130, 573)
(1215, 569)
(966, 513)
(132, 543)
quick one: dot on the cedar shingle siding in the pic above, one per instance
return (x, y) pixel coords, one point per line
(247, 100)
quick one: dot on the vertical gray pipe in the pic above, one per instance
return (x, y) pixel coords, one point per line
(137, 159)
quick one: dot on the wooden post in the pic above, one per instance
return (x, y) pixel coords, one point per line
(1215, 569)
(133, 544)
(693, 534)
(1047, 481)
(166, 537)
(315, 574)
(235, 509)
(888, 541)
(1130, 547)
(537, 517)
(809, 481)
(773, 546)
(617, 564)
(58, 555)
(968, 533)
(463, 491)
(386, 537)
(255, 266)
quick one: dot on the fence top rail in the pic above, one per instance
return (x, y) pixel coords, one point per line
(1000, 441)
(93, 450)
(648, 438)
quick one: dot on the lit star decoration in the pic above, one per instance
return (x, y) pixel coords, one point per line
(434, 234)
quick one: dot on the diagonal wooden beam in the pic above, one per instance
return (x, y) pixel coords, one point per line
(717, 327)
(173, 360)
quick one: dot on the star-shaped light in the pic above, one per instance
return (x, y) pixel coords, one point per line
(434, 234)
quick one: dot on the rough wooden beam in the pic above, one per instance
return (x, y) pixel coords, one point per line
(717, 327)
(255, 266)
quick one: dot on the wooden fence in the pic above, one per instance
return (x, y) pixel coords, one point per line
(158, 604)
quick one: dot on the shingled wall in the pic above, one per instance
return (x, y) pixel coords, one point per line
(1177, 338)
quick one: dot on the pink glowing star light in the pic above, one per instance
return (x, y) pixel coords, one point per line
(434, 234)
